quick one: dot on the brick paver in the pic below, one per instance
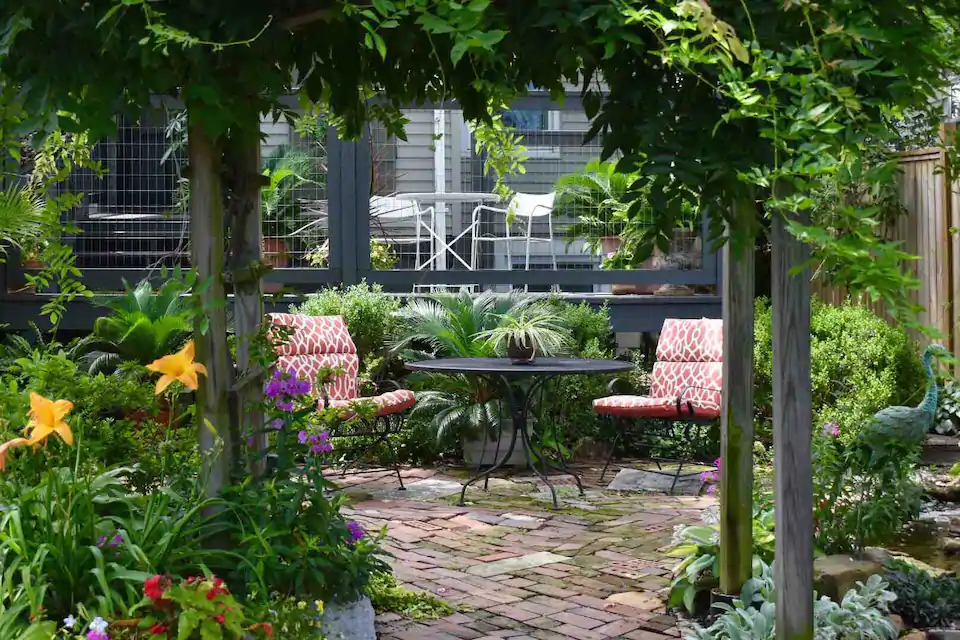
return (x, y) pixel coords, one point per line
(516, 569)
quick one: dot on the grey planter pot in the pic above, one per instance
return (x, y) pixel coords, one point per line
(476, 452)
(351, 621)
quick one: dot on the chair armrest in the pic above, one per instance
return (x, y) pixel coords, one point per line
(619, 386)
(484, 207)
(680, 398)
(388, 385)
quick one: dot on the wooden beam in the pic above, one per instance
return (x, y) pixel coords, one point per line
(246, 270)
(207, 257)
(792, 435)
(736, 421)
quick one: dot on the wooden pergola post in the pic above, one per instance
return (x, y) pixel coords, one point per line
(792, 425)
(245, 272)
(736, 419)
(207, 257)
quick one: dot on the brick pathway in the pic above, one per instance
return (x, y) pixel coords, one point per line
(515, 569)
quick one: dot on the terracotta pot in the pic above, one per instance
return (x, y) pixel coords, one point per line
(520, 354)
(609, 244)
(275, 252)
(33, 264)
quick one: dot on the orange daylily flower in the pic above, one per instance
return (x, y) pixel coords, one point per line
(6, 446)
(178, 366)
(46, 417)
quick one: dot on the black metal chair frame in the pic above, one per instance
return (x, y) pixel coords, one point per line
(661, 426)
(380, 427)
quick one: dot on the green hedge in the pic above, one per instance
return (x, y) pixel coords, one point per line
(860, 364)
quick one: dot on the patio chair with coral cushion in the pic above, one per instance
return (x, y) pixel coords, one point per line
(318, 343)
(686, 386)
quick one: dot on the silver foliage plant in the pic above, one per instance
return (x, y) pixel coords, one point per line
(862, 615)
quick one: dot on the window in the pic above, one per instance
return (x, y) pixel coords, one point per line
(527, 121)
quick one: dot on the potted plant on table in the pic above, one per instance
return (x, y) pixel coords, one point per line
(528, 332)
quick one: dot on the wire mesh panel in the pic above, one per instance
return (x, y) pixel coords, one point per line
(294, 203)
(134, 215)
(433, 205)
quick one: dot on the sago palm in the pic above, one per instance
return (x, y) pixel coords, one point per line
(144, 325)
(21, 217)
(451, 326)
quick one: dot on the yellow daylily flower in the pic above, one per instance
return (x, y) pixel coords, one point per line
(6, 446)
(178, 366)
(46, 417)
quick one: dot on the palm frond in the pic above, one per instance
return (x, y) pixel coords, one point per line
(21, 216)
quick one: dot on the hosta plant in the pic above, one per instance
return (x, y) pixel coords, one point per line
(861, 615)
(699, 548)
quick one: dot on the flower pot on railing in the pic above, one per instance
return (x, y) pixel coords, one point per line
(275, 253)
(610, 245)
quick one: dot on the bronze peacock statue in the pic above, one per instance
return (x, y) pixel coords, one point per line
(898, 428)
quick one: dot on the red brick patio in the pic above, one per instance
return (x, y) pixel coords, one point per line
(528, 571)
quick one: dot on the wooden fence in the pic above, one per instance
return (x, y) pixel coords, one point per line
(932, 210)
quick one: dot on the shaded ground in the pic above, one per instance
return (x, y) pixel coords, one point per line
(515, 568)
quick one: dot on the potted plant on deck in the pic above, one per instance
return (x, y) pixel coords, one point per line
(597, 200)
(286, 171)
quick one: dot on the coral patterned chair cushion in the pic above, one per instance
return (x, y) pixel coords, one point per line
(324, 341)
(687, 377)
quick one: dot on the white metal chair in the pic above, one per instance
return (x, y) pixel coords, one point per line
(389, 209)
(522, 206)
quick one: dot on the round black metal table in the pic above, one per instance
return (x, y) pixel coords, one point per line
(508, 377)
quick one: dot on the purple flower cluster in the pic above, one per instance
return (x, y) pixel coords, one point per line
(711, 478)
(283, 388)
(318, 444)
(114, 542)
(831, 429)
(355, 531)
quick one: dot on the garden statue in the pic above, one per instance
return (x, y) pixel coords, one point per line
(904, 426)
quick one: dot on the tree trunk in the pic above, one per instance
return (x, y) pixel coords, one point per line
(736, 420)
(245, 272)
(210, 333)
(792, 425)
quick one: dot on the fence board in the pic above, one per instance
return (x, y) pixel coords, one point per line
(932, 210)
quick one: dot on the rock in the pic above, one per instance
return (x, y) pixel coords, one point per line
(950, 545)
(897, 621)
(943, 634)
(876, 554)
(915, 635)
(834, 575)
(637, 600)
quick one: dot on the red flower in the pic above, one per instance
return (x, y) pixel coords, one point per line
(158, 629)
(265, 626)
(154, 587)
(219, 618)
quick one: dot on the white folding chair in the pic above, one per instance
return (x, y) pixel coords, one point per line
(522, 206)
(388, 209)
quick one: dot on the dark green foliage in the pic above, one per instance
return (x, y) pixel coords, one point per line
(586, 325)
(859, 365)
(367, 310)
(859, 501)
(923, 601)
